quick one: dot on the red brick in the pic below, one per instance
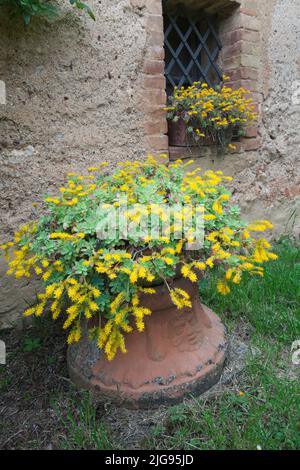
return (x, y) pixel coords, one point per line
(154, 82)
(156, 53)
(240, 34)
(158, 142)
(256, 108)
(153, 67)
(252, 61)
(242, 73)
(232, 62)
(157, 112)
(250, 22)
(155, 38)
(154, 23)
(232, 49)
(248, 11)
(248, 73)
(256, 97)
(251, 85)
(178, 153)
(155, 96)
(159, 127)
(251, 144)
(154, 6)
(232, 37)
(235, 74)
(251, 36)
(151, 109)
(252, 131)
(234, 84)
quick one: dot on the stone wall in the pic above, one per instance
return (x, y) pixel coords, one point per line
(73, 92)
(79, 92)
(269, 182)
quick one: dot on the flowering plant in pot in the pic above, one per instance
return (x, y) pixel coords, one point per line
(101, 274)
(207, 115)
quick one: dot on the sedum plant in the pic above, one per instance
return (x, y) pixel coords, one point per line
(101, 279)
(215, 115)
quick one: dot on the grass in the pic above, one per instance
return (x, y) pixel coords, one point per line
(271, 305)
(266, 412)
(82, 429)
(264, 415)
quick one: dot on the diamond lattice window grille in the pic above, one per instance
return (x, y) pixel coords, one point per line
(192, 47)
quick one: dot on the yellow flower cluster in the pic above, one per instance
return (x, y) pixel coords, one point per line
(102, 281)
(76, 190)
(180, 298)
(209, 112)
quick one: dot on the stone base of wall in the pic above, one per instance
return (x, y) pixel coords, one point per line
(15, 297)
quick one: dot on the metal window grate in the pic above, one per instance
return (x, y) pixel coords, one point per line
(192, 47)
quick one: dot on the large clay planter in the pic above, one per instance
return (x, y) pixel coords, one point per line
(179, 353)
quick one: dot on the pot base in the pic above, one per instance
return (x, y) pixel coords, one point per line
(179, 353)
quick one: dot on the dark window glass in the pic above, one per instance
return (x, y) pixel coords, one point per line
(192, 47)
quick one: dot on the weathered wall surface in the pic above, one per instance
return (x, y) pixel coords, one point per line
(270, 183)
(74, 97)
(72, 100)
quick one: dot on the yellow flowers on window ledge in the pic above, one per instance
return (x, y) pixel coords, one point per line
(96, 268)
(215, 116)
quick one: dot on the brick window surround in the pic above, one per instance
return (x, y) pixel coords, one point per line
(239, 31)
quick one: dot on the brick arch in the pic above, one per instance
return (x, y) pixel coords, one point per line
(240, 59)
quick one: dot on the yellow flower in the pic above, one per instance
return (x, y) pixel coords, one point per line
(199, 265)
(38, 270)
(29, 312)
(217, 208)
(46, 275)
(168, 260)
(96, 292)
(188, 273)
(72, 310)
(237, 278)
(209, 217)
(180, 298)
(93, 306)
(223, 288)
(52, 200)
(179, 247)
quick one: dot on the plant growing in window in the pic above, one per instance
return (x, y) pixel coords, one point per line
(211, 115)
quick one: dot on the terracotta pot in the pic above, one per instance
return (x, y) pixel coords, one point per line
(179, 353)
(177, 133)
